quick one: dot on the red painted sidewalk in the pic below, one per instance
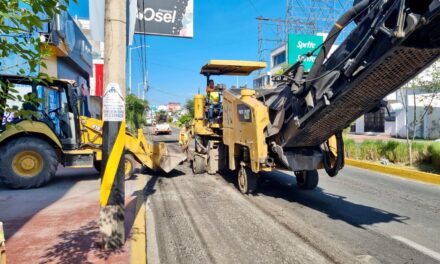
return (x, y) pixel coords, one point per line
(58, 223)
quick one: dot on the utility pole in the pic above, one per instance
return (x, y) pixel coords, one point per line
(145, 86)
(112, 195)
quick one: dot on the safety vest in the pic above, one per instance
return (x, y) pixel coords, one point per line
(214, 97)
(183, 137)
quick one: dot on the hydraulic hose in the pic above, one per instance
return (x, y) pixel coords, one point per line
(333, 171)
(297, 88)
(342, 22)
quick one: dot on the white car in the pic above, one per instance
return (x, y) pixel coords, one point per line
(150, 122)
(162, 128)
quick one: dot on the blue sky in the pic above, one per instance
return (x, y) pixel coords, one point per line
(223, 29)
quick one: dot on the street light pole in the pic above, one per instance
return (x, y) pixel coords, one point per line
(139, 90)
(129, 64)
(145, 86)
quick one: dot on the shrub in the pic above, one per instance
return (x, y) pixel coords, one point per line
(351, 149)
(394, 151)
(420, 152)
(434, 154)
(389, 151)
(371, 150)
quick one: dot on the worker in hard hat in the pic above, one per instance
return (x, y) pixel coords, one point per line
(213, 100)
(184, 138)
(212, 92)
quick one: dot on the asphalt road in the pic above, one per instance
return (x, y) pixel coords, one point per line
(359, 216)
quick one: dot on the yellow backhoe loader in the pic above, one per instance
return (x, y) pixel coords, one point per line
(31, 150)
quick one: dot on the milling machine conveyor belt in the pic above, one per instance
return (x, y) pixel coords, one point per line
(372, 62)
(400, 65)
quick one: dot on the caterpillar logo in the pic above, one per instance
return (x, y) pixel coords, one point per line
(161, 15)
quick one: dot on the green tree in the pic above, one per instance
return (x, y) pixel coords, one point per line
(184, 119)
(135, 110)
(429, 83)
(189, 104)
(20, 20)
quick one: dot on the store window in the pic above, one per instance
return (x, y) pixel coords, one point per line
(279, 58)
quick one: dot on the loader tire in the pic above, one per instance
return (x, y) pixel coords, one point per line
(97, 165)
(198, 165)
(247, 180)
(131, 166)
(27, 162)
(307, 180)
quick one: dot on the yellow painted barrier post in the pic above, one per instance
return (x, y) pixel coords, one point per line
(2, 245)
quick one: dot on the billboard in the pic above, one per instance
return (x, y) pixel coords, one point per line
(165, 18)
(298, 45)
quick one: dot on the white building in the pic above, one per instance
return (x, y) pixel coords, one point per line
(97, 80)
(427, 112)
(425, 105)
(162, 108)
(278, 58)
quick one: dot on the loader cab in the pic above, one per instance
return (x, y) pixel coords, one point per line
(213, 103)
(210, 121)
(54, 104)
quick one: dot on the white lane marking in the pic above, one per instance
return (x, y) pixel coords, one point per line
(424, 250)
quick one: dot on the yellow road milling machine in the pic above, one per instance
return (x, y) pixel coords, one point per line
(297, 125)
(31, 150)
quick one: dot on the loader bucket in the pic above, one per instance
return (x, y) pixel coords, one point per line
(170, 159)
(155, 156)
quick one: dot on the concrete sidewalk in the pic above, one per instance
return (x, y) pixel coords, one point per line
(372, 136)
(58, 223)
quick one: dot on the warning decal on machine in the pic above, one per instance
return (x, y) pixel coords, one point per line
(113, 104)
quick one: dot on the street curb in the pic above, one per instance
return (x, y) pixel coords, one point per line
(399, 172)
(139, 239)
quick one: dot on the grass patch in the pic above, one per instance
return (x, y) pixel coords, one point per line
(434, 155)
(424, 153)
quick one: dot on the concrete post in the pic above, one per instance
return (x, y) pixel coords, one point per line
(112, 196)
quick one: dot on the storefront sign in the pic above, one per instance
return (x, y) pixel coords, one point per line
(165, 17)
(299, 45)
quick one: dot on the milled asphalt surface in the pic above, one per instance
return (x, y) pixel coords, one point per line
(358, 216)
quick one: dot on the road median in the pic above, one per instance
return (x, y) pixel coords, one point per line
(396, 171)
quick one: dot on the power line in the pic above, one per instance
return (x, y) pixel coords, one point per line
(174, 67)
(155, 88)
(254, 7)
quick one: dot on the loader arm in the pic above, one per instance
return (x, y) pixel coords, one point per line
(392, 42)
(154, 156)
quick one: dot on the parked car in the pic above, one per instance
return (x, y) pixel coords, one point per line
(161, 128)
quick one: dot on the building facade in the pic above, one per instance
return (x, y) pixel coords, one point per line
(70, 59)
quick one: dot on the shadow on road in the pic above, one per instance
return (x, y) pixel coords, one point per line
(283, 186)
